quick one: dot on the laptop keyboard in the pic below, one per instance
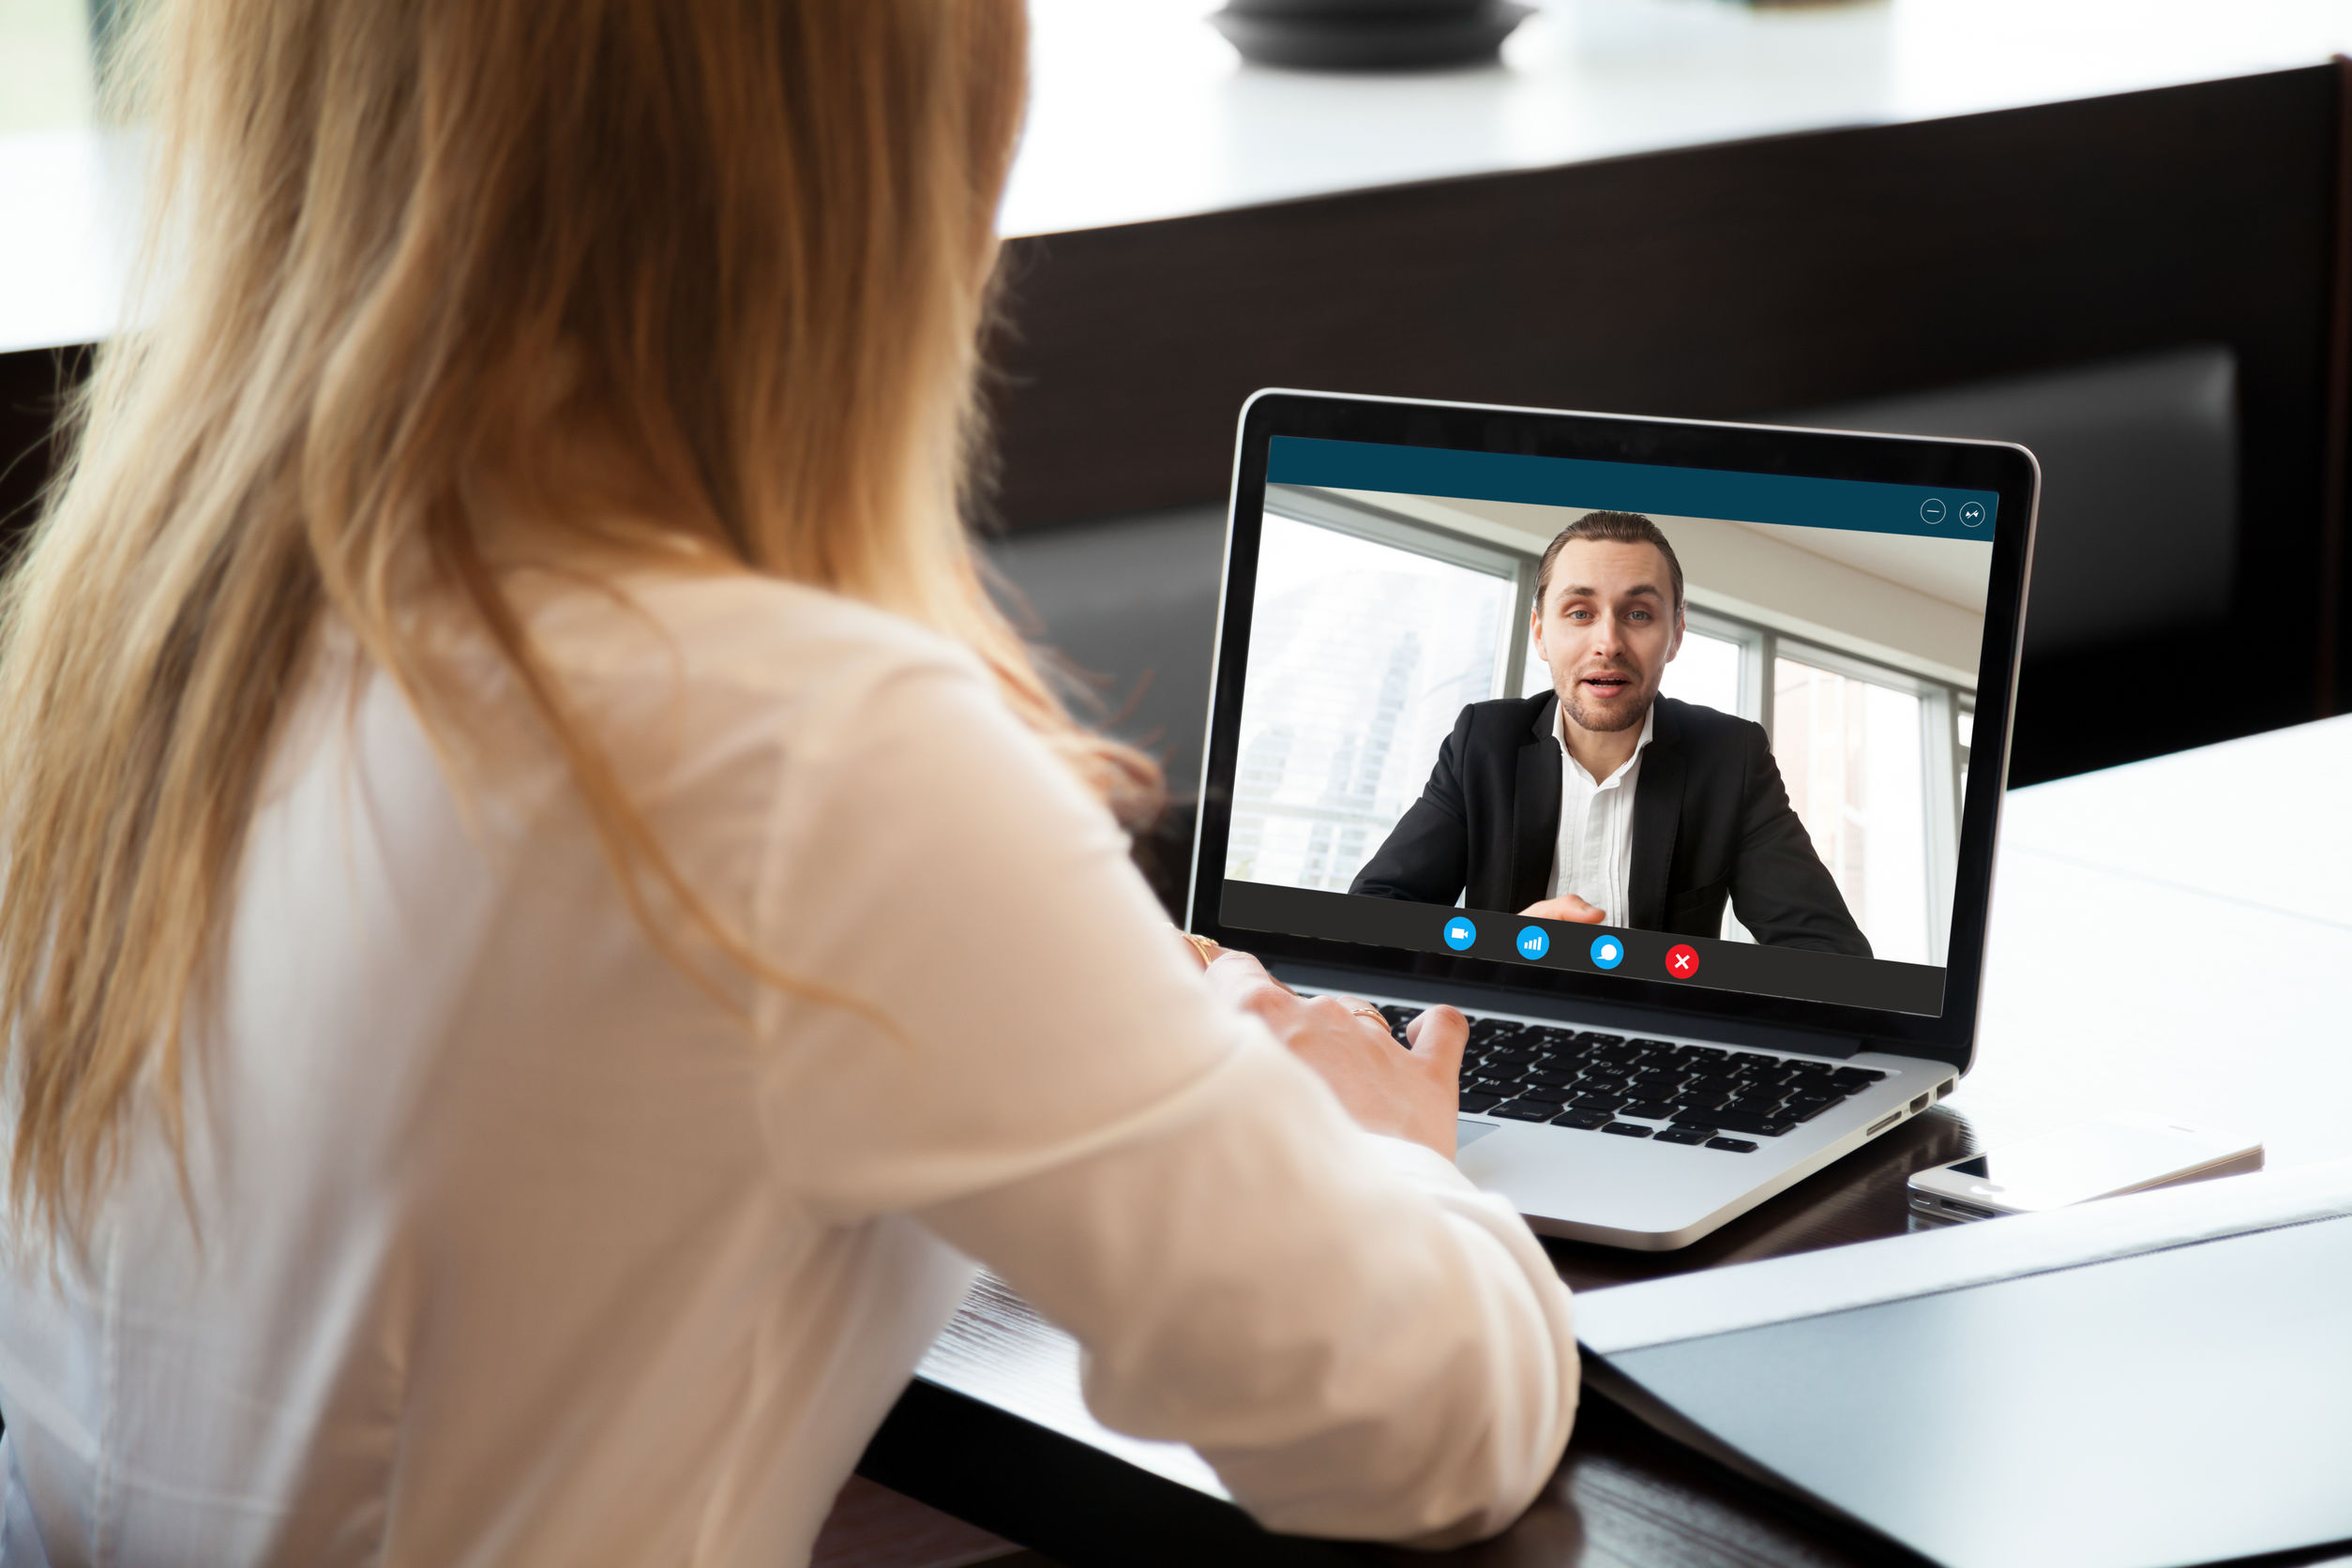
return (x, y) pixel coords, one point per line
(1633, 1087)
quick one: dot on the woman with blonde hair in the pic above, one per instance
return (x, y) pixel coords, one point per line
(544, 914)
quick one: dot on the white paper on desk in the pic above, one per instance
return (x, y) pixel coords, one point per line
(1750, 1295)
(999, 1350)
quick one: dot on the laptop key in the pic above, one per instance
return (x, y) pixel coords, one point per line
(1522, 1110)
(1536, 1093)
(1759, 1127)
(1584, 1120)
(1806, 1113)
(1682, 1135)
(1736, 1145)
(1480, 1102)
(1649, 1110)
(1598, 1102)
(1627, 1129)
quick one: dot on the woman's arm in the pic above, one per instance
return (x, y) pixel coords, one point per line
(1360, 1342)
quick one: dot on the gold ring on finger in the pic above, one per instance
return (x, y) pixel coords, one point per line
(1209, 952)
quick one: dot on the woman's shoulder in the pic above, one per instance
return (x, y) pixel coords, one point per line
(679, 672)
(741, 631)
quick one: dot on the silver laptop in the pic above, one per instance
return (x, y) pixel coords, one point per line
(1669, 752)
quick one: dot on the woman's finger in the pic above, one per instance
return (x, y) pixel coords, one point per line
(1236, 971)
(1441, 1033)
(1364, 1013)
(1243, 980)
(1203, 951)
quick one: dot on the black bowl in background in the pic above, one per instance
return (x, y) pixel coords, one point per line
(1349, 9)
(1381, 35)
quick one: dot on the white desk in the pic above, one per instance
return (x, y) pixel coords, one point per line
(2189, 920)
(1139, 111)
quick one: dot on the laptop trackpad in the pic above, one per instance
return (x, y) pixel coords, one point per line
(1467, 1132)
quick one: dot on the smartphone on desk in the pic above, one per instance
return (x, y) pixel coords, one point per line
(2096, 1159)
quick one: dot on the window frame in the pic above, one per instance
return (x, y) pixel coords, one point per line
(1415, 536)
(1940, 768)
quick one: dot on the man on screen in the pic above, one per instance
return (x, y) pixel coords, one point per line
(1600, 801)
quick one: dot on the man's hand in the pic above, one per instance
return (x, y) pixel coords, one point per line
(1410, 1093)
(1569, 906)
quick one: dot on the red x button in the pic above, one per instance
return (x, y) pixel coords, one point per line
(1682, 960)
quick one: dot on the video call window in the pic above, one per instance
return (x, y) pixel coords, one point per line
(1378, 616)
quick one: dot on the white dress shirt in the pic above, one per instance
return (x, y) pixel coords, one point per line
(514, 1244)
(1594, 855)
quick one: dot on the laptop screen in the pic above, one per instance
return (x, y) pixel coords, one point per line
(1695, 726)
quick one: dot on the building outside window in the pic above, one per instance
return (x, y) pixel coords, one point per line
(1366, 650)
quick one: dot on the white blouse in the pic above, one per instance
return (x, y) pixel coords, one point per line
(513, 1243)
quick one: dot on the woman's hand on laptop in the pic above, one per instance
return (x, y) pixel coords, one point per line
(1412, 1094)
(1567, 907)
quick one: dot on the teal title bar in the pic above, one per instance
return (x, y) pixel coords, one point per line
(1782, 498)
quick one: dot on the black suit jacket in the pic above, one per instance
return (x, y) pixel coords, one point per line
(1712, 822)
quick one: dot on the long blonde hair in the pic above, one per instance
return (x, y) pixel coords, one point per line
(739, 248)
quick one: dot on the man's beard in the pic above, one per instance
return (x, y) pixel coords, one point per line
(1628, 718)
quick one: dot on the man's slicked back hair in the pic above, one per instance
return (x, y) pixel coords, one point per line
(1619, 528)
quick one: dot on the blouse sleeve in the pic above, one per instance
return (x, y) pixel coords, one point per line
(1359, 1341)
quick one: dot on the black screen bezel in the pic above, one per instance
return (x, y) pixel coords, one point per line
(2008, 469)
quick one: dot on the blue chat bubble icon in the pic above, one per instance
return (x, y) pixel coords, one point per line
(1608, 952)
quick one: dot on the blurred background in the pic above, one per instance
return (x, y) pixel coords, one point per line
(2115, 232)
